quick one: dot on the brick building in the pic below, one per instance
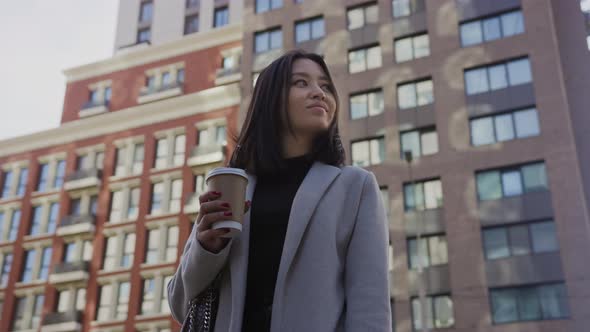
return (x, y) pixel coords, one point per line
(489, 222)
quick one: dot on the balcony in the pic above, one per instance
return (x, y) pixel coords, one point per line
(149, 94)
(69, 271)
(93, 108)
(83, 178)
(207, 154)
(192, 204)
(73, 224)
(228, 75)
(62, 322)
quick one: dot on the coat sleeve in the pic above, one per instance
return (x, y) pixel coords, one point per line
(197, 269)
(368, 305)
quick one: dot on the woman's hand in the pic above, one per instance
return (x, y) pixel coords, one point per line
(211, 211)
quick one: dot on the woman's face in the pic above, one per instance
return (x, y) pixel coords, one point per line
(312, 106)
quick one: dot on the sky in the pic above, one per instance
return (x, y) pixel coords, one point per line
(41, 38)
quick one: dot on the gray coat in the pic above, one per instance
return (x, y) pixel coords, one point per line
(333, 274)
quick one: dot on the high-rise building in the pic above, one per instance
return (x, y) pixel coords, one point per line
(471, 113)
(94, 213)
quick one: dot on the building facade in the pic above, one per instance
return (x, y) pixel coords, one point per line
(472, 114)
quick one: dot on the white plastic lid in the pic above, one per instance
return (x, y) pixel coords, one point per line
(226, 170)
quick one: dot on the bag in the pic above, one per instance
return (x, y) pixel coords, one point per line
(202, 310)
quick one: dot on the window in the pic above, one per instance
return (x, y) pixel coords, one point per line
(423, 195)
(44, 223)
(361, 16)
(492, 28)
(199, 183)
(149, 289)
(220, 135)
(128, 250)
(514, 181)
(36, 222)
(60, 172)
(180, 76)
(368, 152)
(538, 237)
(107, 94)
(410, 48)
(6, 184)
(166, 196)
(129, 159)
(498, 76)
(504, 127)
(133, 208)
(420, 142)
(118, 202)
(165, 79)
(104, 305)
(113, 301)
(153, 244)
(43, 177)
(170, 151)
(162, 245)
(22, 182)
(175, 195)
(157, 197)
(161, 153)
(78, 251)
(15, 222)
(145, 11)
(45, 263)
(179, 150)
(429, 251)
(31, 271)
(18, 320)
(439, 312)
(309, 29)
(144, 35)
(540, 302)
(268, 40)
(266, 5)
(71, 299)
(366, 104)
(221, 17)
(406, 7)
(6, 268)
(138, 153)
(191, 24)
(119, 251)
(364, 59)
(90, 161)
(155, 299)
(27, 274)
(410, 95)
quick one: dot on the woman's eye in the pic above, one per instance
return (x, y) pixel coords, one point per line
(300, 83)
(326, 87)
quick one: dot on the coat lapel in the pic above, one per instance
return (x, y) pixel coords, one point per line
(309, 194)
(239, 263)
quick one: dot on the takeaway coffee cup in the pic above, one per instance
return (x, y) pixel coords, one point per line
(231, 183)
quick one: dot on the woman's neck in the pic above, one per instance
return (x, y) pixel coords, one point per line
(295, 146)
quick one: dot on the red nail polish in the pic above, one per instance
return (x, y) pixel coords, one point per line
(228, 213)
(225, 205)
(216, 193)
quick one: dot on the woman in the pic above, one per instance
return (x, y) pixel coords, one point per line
(312, 255)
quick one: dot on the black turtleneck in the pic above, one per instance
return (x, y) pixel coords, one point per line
(269, 217)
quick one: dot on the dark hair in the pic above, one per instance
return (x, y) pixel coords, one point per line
(259, 145)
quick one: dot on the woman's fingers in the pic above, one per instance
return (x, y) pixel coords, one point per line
(212, 234)
(247, 205)
(210, 218)
(209, 196)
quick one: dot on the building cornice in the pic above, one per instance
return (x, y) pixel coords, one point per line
(142, 115)
(186, 44)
